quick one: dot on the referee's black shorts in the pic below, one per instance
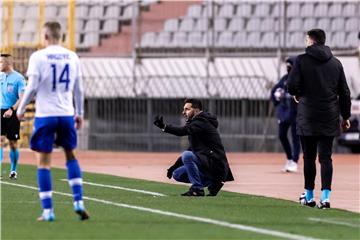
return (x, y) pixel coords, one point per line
(10, 127)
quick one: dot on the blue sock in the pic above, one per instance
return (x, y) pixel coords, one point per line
(75, 180)
(325, 195)
(44, 181)
(14, 157)
(1, 159)
(309, 195)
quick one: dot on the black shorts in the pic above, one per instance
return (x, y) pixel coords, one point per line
(10, 127)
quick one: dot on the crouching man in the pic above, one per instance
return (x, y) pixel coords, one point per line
(204, 164)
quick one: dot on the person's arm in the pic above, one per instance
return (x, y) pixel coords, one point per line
(178, 163)
(21, 89)
(275, 100)
(344, 101)
(295, 80)
(78, 97)
(195, 126)
(29, 94)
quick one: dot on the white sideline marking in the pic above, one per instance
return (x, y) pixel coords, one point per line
(121, 188)
(334, 222)
(188, 217)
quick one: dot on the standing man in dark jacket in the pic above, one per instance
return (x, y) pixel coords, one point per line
(318, 83)
(286, 109)
(204, 164)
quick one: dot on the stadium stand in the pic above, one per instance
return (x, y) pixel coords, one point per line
(229, 78)
(103, 26)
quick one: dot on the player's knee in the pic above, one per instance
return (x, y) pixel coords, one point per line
(69, 154)
(13, 144)
(180, 176)
(187, 156)
(325, 159)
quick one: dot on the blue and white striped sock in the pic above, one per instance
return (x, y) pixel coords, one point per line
(14, 157)
(45, 194)
(75, 179)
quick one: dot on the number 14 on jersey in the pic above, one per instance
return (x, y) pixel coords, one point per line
(64, 77)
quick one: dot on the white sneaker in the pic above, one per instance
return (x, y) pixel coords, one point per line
(292, 166)
(13, 175)
(285, 168)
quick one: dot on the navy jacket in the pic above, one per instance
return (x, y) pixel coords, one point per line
(205, 143)
(286, 107)
(318, 80)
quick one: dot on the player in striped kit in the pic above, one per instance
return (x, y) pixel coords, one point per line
(55, 78)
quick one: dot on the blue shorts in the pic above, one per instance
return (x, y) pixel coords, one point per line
(47, 128)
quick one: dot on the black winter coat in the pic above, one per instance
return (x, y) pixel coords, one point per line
(205, 143)
(318, 80)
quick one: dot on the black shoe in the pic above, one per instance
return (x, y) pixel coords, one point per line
(302, 200)
(323, 205)
(214, 189)
(194, 193)
(83, 215)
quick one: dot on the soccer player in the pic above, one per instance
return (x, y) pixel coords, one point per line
(55, 77)
(12, 90)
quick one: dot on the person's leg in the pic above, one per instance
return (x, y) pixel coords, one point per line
(13, 134)
(180, 175)
(2, 139)
(41, 141)
(325, 152)
(309, 145)
(14, 157)
(66, 138)
(296, 143)
(283, 136)
(45, 186)
(190, 161)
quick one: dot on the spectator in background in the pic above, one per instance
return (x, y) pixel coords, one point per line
(286, 109)
(318, 83)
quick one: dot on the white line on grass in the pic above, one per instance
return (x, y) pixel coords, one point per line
(334, 222)
(121, 188)
(188, 217)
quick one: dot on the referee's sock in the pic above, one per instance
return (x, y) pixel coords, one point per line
(75, 180)
(1, 159)
(1, 154)
(14, 157)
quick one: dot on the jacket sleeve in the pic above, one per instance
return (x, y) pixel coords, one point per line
(294, 79)
(277, 85)
(344, 96)
(196, 126)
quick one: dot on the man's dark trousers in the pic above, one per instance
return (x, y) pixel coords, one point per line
(294, 152)
(310, 146)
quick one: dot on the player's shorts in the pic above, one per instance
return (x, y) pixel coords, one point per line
(50, 130)
(10, 127)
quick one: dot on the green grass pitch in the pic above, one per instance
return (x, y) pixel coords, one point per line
(21, 206)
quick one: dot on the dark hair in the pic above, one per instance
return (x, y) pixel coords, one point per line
(54, 30)
(318, 35)
(5, 55)
(195, 103)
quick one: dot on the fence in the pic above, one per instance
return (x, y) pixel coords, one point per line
(126, 124)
